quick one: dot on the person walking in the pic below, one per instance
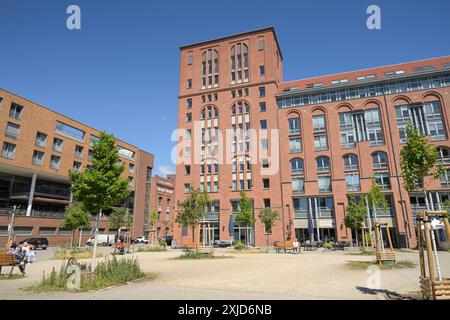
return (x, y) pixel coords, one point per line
(295, 246)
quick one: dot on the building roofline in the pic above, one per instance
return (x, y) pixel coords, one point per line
(59, 113)
(271, 28)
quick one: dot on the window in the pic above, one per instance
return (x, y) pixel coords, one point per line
(350, 162)
(41, 139)
(131, 168)
(295, 145)
(93, 140)
(262, 107)
(262, 92)
(16, 111)
(379, 160)
(383, 180)
(266, 203)
(76, 166)
(264, 144)
(262, 70)
(298, 185)
(294, 126)
(187, 188)
(65, 129)
(12, 130)
(239, 63)
(265, 163)
(319, 123)
(324, 183)
(188, 117)
(189, 103)
(360, 126)
(263, 124)
(426, 117)
(445, 179)
(443, 155)
(90, 155)
(189, 60)
(78, 152)
(210, 68)
(54, 162)
(8, 150)
(47, 231)
(189, 83)
(187, 170)
(352, 182)
(323, 164)
(38, 158)
(320, 143)
(260, 45)
(296, 166)
(57, 145)
(266, 183)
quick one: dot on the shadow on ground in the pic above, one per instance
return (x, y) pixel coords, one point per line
(390, 295)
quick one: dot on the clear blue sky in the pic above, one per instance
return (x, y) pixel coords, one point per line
(119, 72)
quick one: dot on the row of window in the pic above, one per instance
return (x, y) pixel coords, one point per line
(351, 93)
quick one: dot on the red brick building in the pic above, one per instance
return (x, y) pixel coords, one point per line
(302, 147)
(162, 201)
(39, 147)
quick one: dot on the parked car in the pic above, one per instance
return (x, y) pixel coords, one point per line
(102, 239)
(37, 243)
(140, 240)
(223, 243)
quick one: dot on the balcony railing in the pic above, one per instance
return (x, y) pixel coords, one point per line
(323, 214)
(211, 216)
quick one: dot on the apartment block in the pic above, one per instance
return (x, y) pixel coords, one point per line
(162, 202)
(303, 147)
(39, 148)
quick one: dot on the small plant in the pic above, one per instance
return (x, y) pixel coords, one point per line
(239, 245)
(162, 243)
(328, 245)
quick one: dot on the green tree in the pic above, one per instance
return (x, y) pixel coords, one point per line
(355, 215)
(153, 220)
(75, 217)
(120, 218)
(244, 215)
(418, 159)
(268, 217)
(100, 186)
(192, 209)
(376, 198)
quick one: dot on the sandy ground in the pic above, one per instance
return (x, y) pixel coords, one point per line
(310, 275)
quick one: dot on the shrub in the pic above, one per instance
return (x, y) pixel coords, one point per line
(162, 243)
(239, 245)
(328, 245)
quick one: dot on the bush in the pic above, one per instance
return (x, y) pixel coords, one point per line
(328, 245)
(108, 273)
(162, 243)
(239, 245)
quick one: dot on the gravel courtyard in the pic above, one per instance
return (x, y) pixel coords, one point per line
(310, 275)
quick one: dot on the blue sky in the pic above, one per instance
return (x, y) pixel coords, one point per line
(125, 59)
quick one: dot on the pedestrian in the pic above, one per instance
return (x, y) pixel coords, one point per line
(295, 246)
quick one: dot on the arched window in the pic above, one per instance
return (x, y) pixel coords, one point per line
(240, 123)
(443, 155)
(294, 125)
(239, 63)
(323, 164)
(210, 69)
(350, 162)
(379, 160)
(297, 166)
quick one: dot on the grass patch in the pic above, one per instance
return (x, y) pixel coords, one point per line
(249, 251)
(109, 273)
(65, 252)
(362, 265)
(151, 249)
(367, 253)
(192, 255)
(13, 276)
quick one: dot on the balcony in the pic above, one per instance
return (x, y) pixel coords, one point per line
(211, 216)
(323, 213)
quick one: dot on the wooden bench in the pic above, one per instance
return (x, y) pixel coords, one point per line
(8, 260)
(191, 245)
(285, 246)
(204, 250)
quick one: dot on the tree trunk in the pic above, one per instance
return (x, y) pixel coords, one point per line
(193, 236)
(72, 237)
(357, 242)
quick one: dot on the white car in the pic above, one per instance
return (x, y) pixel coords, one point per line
(141, 240)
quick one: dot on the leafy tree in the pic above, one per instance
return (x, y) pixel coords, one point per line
(153, 220)
(376, 198)
(100, 186)
(268, 218)
(192, 209)
(355, 215)
(75, 217)
(245, 216)
(120, 218)
(418, 159)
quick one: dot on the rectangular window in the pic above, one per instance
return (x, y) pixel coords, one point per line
(187, 170)
(352, 182)
(188, 117)
(266, 183)
(55, 162)
(57, 145)
(298, 185)
(262, 92)
(38, 158)
(76, 166)
(262, 70)
(319, 123)
(131, 168)
(324, 183)
(12, 130)
(320, 143)
(16, 111)
(187, 188)
(189, 83)
(8, 150)
(295, 145)
(294, 126)
(383, 180)
(189, 103)
(41, 139)
(78, 152)
(66, 130)
(264, 144)
(262, 107)
(261, 45)
(360, 126)
(263, 124)
(445, 179)
(189, 59)
(47, 231)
